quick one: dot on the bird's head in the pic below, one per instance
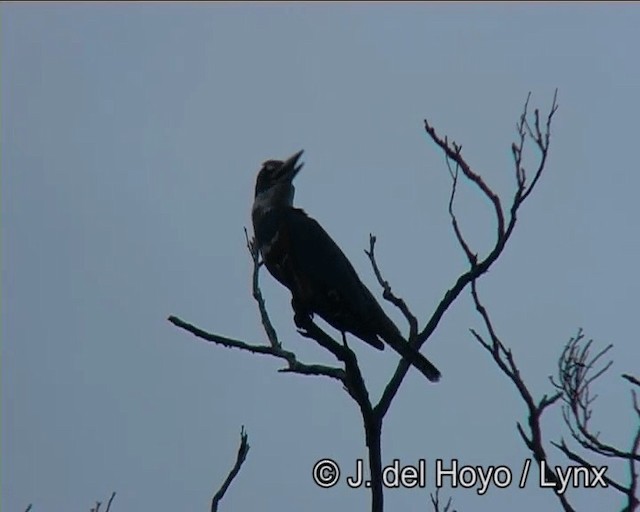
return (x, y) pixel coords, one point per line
(274, 184)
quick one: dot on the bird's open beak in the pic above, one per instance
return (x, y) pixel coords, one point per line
(289, 169)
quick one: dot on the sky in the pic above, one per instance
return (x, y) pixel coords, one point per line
(131, 137)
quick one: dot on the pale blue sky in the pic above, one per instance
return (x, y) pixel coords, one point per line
(131, 136)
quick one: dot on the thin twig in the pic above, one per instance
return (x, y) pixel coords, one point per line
(634, 380)
(272, 336)
(387, 293)
(454, 152)
(471, 256)
(507, 364)
(243, 449)
(573, 456)
(111, 498)
(435, 501)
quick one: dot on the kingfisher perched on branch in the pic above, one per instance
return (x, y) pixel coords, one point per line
(300, 254)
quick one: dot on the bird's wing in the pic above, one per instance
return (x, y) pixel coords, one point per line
(323, 281)
(325, 278)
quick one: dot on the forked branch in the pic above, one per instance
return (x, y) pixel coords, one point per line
(274, 348)
(577, 371)
(503, 357)
(504, 226)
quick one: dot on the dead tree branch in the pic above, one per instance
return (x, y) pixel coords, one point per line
(634, 380)
(294, 366)
(243, 449)
(387, 294)
(92, 509)
(435, 501)
(504, 227)
(578, 369)
(503, 357)
(99, 504)
(576, 372)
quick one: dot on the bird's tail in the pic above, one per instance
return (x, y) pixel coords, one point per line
(408, 352)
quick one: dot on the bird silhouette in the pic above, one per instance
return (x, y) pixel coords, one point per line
(302, 256)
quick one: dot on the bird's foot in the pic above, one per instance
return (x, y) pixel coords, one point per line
(302, 320)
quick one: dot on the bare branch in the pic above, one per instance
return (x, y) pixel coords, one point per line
(111, 498)
(454, 152)
(506, 362)
(571, 455)
(634, 380)
(435, 501)
(472, 257)
(576, 373)
(257, 293)
(99, 504)
(505, 228)
(633, 471)
(275, 349)
(295, 366)
(387, 293)
(542, 140)
(243, 449)
(517, 148)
